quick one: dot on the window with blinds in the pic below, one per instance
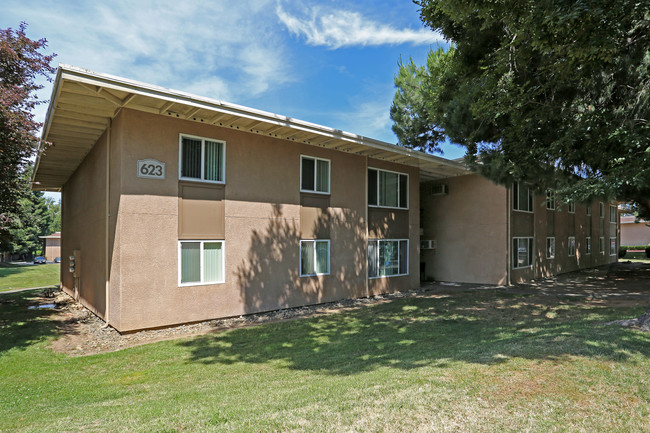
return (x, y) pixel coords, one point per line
(314, 257)
(387, 257)
(202, 159)
(387, 189)
(314, 175)
(200, 262)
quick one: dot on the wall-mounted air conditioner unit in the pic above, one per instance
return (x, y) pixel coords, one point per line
(428, 244)
(439, 189)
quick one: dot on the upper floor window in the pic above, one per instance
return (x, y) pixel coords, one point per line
(601, 209)
(387, 189)
(522, 197)
(314, 175)
(572, 207)
(588, 209)
(550, 199)
(202, 159)
(612, 214)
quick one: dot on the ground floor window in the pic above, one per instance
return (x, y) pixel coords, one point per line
(314, 257)
(572, 246)
(522, 252)
(387, 257)
(612, 246)
(587, 245)
(550, 248)
(200, 262)
(601, 245)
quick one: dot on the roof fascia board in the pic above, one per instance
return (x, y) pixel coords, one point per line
(74, 73)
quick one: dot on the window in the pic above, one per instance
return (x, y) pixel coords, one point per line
(612, 214)
(550, 199)
(588, 209)
(522, 252)
(601, 245)
(572, 207)
(200, 262)
(550, 248)
(202, 159)
(612, 246)
(314, 175)
(572, 246)
(388, 257)
(587, 245)
(601, 210)
(522, 198)
(314, 257)
(387, 189)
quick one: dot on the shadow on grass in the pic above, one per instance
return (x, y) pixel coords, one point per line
(21, 327)
(483, 328)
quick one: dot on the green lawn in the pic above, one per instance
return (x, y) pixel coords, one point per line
(27, 276)
(485, 361)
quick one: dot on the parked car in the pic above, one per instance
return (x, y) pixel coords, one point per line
(57, 260)
(39, 260)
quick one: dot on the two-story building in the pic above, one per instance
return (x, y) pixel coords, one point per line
(178, 208)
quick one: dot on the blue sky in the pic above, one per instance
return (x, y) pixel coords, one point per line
(327, 62)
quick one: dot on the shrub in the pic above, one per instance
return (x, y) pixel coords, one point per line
(622, 251)
(647, 251)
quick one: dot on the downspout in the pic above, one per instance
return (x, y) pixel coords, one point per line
(365, 193)
(107, 232)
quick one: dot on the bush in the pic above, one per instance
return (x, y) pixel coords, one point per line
(647, 251)
(622, 251)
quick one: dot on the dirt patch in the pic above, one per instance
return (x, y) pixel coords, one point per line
(83, 333)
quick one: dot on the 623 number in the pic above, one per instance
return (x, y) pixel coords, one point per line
(151, 170)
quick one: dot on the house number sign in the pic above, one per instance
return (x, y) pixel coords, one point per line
(151, 169)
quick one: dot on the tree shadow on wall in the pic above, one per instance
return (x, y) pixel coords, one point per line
(269, 278)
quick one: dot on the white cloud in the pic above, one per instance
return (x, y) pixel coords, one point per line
(212, 48)
(341, 28)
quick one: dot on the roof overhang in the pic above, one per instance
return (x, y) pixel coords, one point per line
(83, 102)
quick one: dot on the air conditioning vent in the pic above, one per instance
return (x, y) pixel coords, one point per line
(439, 189)
(428, 244)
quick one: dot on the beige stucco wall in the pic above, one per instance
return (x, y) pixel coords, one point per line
(635, 234)
(264, 218)
(469, 227)
(83, 224)
(562, 224)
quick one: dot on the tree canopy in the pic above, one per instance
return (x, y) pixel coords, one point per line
(553, 93)
(20, 64)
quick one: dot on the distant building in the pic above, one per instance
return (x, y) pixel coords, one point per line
(51, 246)
(634, 232)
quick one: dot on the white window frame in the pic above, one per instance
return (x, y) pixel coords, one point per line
(612, 214)
(588, 245)
(551, 243)
(613, 239)
(203, 140)
(329, 175)
(601, 245)
(571, 246)
(530, 253)
(530, 198)
(572, 206)
(302, 241)
(398, 188)
(202, 283)
(408, 252)
(550, 199)
(601, 209)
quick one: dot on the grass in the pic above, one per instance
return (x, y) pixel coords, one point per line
(27, 276)
(484, 361)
